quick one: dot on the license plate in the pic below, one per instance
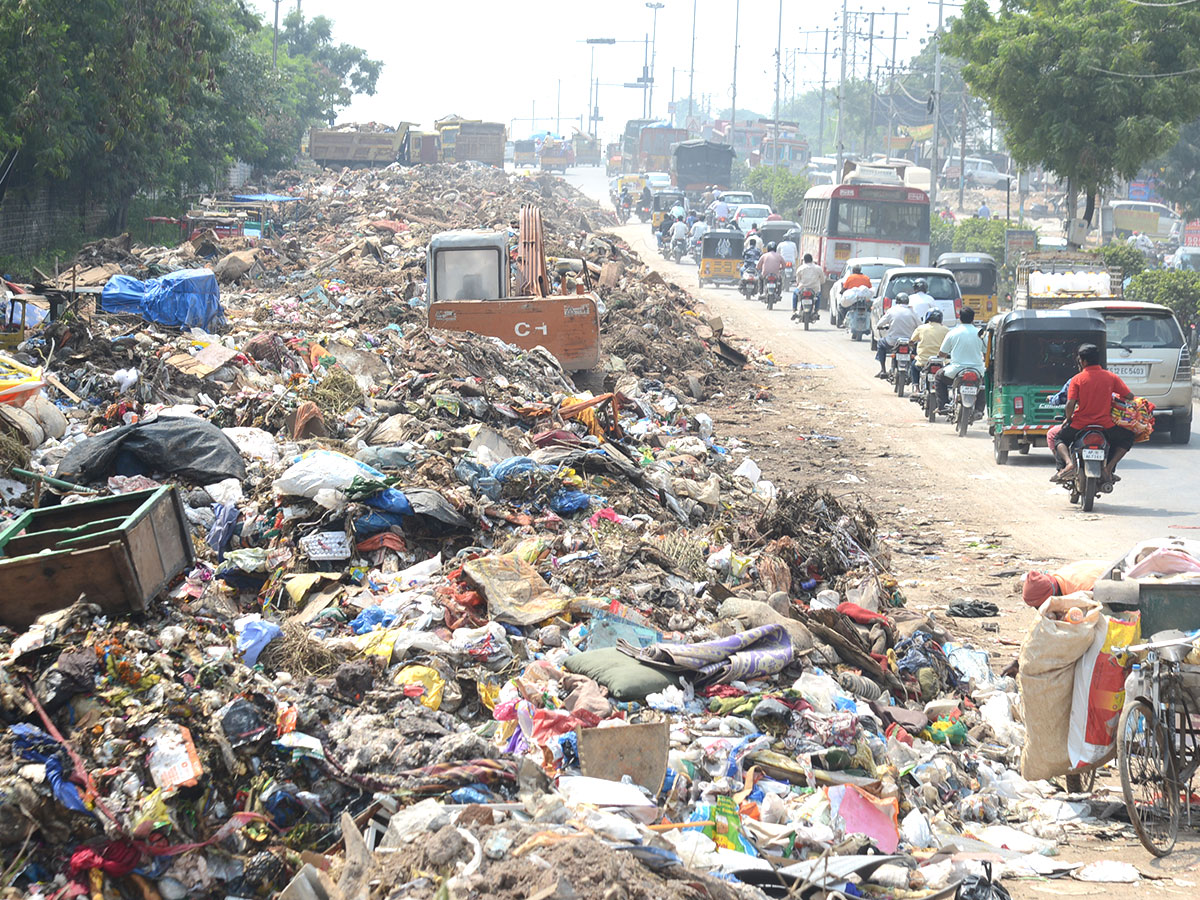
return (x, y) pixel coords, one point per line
(1142, 371)
(902, 357)
(1093, 454)
(969, 392)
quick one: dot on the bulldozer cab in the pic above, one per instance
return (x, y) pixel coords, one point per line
(467, 277)
(467, 265)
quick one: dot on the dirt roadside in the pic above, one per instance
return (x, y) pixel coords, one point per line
(953, 532)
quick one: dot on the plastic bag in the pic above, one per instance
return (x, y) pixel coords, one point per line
(1099, 691)
(981, 887)
(424, 683)
(321, 469)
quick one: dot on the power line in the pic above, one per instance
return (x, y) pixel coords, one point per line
(1150, 75)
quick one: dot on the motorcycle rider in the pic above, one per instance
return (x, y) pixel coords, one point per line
(698, 230)
(855, 279)
(964, 348)
(920, 299)
(753, 237)
(707, 197)
(626, 201)
(770, 263)
(720, 210)
(647, 196)
(678, 232)
(1089, 402)
(678, 211)
(896, 327)
(809, 276)
(664, 229)
(929, 338)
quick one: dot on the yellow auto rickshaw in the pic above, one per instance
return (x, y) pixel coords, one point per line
(635, 183)
(662, 203)
(721, 257)
(978, 277)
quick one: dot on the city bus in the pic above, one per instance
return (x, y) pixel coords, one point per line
(842, 221)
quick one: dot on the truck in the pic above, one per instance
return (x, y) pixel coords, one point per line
(472, 140)
(698, 163)
(1048, 279)
(468, 275)
(358, 145)
(556, 155)
(524, 153)
(587, 149)
(654, 147)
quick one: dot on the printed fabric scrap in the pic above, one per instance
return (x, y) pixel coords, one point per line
(748, 655)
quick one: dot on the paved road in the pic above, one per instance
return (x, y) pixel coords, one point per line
(1159, 493)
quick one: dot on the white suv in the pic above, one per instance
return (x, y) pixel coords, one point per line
(980, 172)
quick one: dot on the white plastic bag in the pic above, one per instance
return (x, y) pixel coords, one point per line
(319, 470)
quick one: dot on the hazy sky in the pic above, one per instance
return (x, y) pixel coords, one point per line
(504, 61)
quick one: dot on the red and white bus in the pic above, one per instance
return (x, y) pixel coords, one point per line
(843, 221)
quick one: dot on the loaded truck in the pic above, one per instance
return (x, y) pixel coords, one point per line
(357, 145)
(1048, 279)
(556, 155)
(587, 149)
(467, 274)
(470, 140)
(654, 147)
(699, 163)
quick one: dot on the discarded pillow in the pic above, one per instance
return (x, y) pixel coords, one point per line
(625, 677)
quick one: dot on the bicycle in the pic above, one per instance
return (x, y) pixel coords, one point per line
(1158, 742)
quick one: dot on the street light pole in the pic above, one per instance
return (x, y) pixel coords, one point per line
(841, 94)
(653, 55)
(692, 64)
(778, 61)
(594, 98)
(737, 15)
(937, 111)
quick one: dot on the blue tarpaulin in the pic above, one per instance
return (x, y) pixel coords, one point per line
(189, 297)
(264, 198)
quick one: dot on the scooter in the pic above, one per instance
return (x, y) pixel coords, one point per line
(806, 306)
(858, 319)
(772, 289)
(749, 283)
(1089, 452)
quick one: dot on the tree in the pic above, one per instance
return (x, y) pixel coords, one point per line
(1129, 259)
(1178, 290)
(981, 236)
(1179, 171)
(779, 187)
(342, 70)
(1046, 68)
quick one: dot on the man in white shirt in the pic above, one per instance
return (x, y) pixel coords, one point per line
(679, 231)
(720, 210)
(809, 276)
(896, 327)
(920, 300)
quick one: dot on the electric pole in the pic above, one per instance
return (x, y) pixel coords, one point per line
(653, 56)
(824, 76)
(737, 15)
(692, 64)
(841, 96)
(937, 110)
(778, 61)
(869, 131)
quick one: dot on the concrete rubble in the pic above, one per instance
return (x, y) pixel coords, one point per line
(423, 574)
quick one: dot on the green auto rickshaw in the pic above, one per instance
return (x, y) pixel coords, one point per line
(1029, 356)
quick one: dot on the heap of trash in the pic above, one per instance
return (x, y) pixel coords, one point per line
(300, 597)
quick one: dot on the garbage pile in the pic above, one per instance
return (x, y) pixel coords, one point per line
(322, 602)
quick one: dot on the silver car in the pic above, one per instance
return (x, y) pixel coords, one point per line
(942, 288)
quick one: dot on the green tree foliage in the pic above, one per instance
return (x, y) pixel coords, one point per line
(1130, 259)
(1042, 66)
(782, 189)
(114, 97)
(1178, 171)
(1178, 290)
(941, 237)
(981, 236)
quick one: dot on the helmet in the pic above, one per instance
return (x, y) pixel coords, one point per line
(902, 298)
(771, 246)
(920, 285)
(934, 315)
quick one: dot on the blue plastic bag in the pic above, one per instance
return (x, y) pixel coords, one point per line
(187, 298)
(375, 522)
(371, 618)
(514, 466)
(568, 500)
(391, 500)
(254, 637)
(34, 745)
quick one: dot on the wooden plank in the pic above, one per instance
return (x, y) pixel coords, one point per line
(34, 585)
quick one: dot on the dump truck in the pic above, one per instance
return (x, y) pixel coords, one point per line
(524, 153)
(358, 146)
(556, 155)
(467, 278)
(698, 163)
(587, 150)
(1048, 279)
(654, 147)
(471, 140)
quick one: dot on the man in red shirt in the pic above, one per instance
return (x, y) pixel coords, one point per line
(1089, 403)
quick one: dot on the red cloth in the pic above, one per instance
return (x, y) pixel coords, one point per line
(1038, 588)
(1092, 390)
(383, 539)
(854, 280)
(116, 858)
(860, 615)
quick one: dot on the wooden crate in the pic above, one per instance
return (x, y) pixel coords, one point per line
(119, 552)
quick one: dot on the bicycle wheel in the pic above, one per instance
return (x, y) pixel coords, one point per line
(1148, 777)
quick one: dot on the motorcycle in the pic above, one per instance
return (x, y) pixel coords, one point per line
(901, 356)
(964, 393)
(749, 283)
(643, 211)
(624, 210)
(926, 389)
(1089, 451)
(789, 275)
(806, 306)
(772, 289)
(679, 249)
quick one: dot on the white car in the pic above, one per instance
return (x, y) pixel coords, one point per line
(658, 180)
(874, 267)
(943, 288)
(980, 172)
(750, 214)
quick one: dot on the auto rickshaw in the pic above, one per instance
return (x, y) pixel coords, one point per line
(1029, 355)
(721, 257)
(977, 276)
(635, 183)
(662, 203)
